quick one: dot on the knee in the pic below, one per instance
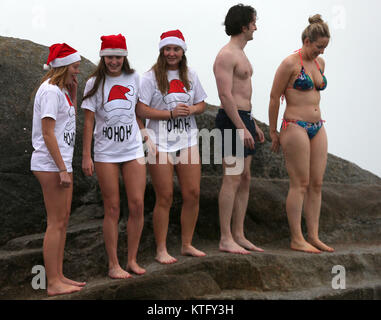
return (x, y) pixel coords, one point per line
(303, 186)
(300, 186)
(58, 224)
(191, 195)
(164, 199)
(136, 207)
(246, 179)
(233, 181)
(315, 186)
(112, 211)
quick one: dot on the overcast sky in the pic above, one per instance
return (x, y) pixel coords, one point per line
(350, 105)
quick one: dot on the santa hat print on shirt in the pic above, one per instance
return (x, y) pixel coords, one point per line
(119, 93)
(173, 37)
(113, 45)
(117, 104)
(60, 55)
(176, 93)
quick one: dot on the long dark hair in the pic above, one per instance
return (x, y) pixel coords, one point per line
(100, 76)
(160, 69)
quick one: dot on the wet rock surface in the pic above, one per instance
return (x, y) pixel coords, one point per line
(350, 219)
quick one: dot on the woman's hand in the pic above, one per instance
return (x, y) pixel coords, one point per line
(65, 180)
(87, 166)
(275, 141)
(151, 146)
(181, 110)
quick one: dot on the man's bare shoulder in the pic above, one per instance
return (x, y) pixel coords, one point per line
(226, 56)
(225, 53)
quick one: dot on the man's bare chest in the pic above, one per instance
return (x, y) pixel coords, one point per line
(243, 69)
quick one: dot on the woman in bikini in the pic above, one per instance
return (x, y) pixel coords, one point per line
(299, 79)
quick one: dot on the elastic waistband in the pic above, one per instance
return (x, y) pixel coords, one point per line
(239, 111)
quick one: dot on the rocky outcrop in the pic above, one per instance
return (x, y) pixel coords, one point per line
(351, 214)
(21, 204)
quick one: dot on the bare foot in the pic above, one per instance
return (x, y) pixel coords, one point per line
(118, 273)
(246, 244)
(304, 247)
(232, 247)
(62, 288)
(192, 251)
(320, 245)
(135, 268)
(72, 282)
(165, 258)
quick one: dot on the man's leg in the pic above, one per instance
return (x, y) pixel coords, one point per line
(240, 207)
(229, 188)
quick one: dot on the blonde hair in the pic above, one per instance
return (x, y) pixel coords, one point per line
(57, 77)
(317, 29)
(160, 69)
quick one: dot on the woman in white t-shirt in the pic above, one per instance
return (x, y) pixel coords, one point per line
(110, 97)
(170, 95)
(53, 138)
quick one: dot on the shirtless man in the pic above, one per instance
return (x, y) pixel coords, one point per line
(233, 72)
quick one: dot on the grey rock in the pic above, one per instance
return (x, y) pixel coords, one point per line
(350, 215)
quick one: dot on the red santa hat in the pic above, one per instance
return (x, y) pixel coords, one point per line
(60, 55)
(173, 37)
(114, 45)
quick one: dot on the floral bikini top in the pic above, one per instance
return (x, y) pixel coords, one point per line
(304, 81)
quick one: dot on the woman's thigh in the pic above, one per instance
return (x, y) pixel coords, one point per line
(57, 199)
(134, 177)
(319, 154)
(189, 171)
(162, 175)
(108, 179)
(296, 149)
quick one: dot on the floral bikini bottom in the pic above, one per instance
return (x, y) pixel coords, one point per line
(312, 128)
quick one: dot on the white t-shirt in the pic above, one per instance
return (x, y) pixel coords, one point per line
(173, 134)
(52, 102)
(117, 135)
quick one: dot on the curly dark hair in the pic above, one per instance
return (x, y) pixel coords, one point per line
(237, 17)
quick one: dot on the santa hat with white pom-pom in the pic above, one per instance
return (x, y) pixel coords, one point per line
(60, 55)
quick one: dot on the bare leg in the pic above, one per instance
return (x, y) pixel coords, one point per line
(226, 199)
(55, 204)
(69, 195)
(312, 201)
(189, 175)
(296, 148)
(134, 176)
(240, 207)
(108, 178)
(162, 180)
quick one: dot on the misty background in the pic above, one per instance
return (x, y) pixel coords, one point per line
(350, 104)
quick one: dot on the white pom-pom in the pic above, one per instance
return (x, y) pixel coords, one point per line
(47, 67)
